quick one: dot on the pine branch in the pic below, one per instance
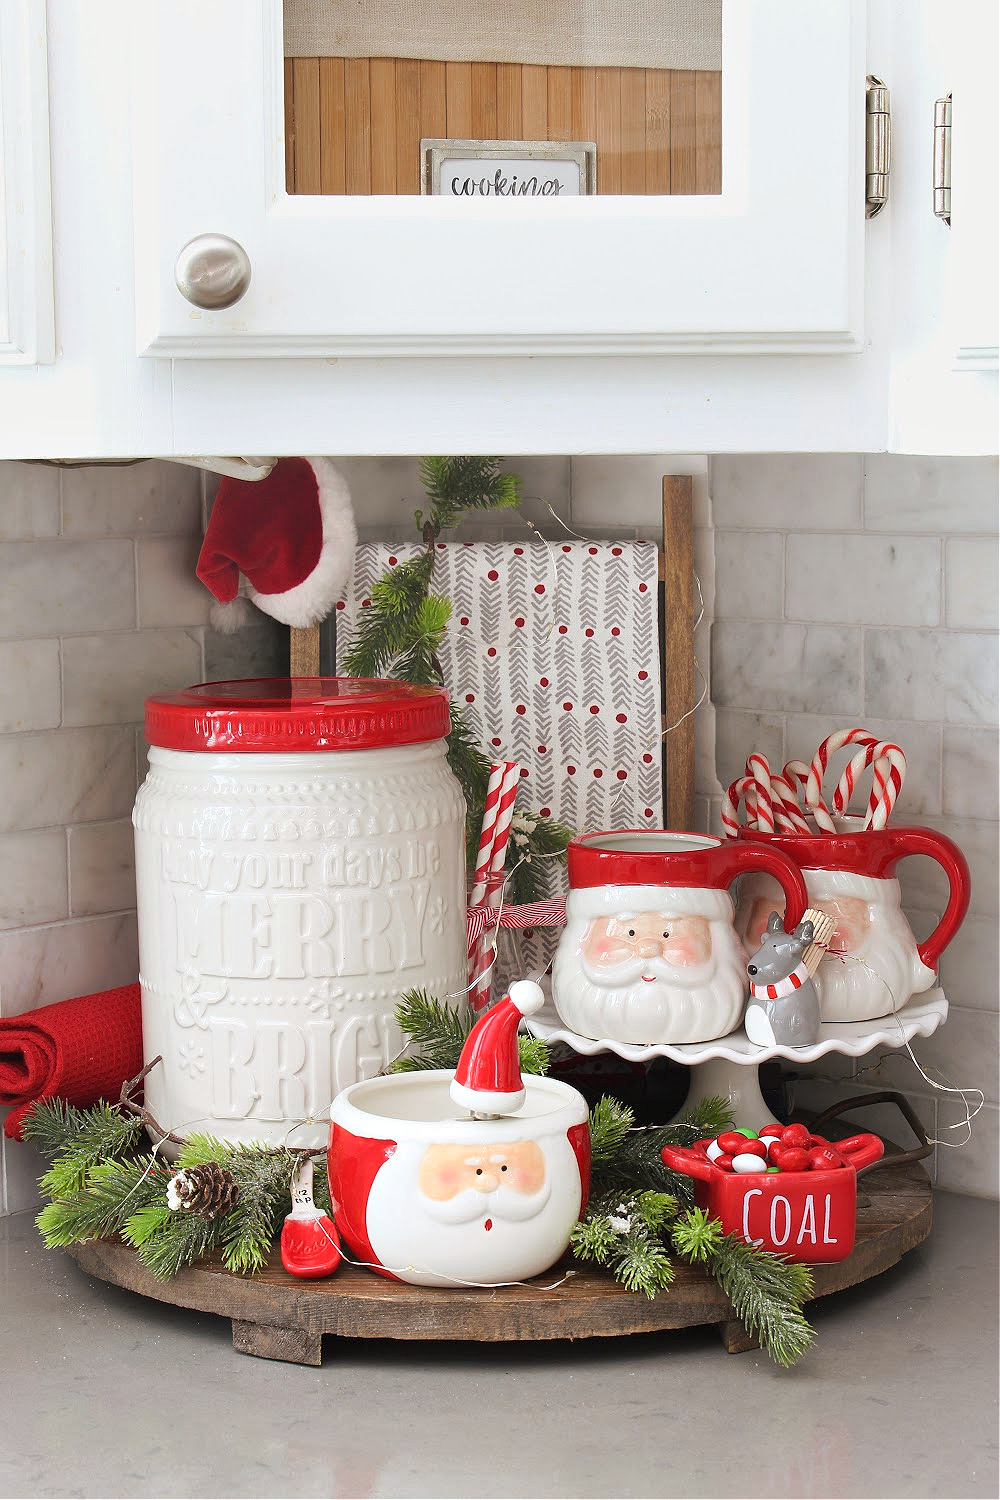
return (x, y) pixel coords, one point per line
(417, 660)
(767, 1292)
(610, 1123)
(166, 1243)
(534, 1055)
(110, 1194)
(455, 485)
(264, 1179)
(383, 630)
(436, 1031)
(628, 1156)
(624, 1235)
(77, 1140)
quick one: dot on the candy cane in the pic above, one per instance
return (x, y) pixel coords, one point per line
(798, 771)
(500, 774)
(820, 761)
(889, 764)
(788, 814)
(759, 771)
(488, 876)
(742, 787)
(889, 770)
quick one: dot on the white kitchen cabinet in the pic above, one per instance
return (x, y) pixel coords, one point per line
(943, 339)
(771, 317)
(26, 292)
(758, 268)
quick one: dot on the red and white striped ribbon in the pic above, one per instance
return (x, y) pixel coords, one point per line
(550, 913)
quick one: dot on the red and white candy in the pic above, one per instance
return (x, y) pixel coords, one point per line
(790, 1148)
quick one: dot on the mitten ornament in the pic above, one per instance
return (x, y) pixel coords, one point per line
(310, 1244)
(209, 1190)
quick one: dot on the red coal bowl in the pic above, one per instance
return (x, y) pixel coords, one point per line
(809, 1217)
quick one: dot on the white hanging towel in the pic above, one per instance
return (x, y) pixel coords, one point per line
(552, 653)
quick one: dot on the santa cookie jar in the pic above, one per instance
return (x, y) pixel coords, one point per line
(649, 955)
(873, 963)
(471, 1178)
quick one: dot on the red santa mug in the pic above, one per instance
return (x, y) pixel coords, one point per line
(471, 1178)
(874, 963)
(649, 954)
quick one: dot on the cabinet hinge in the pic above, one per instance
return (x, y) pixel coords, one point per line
(876, 145)
(942, 158)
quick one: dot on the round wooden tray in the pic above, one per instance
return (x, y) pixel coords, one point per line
(276, 1316)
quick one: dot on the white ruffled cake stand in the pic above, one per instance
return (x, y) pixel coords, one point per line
(727, 1067)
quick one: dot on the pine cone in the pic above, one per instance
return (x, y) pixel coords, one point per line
(209, 1190)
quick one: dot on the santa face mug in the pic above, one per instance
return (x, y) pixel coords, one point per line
(874, 962)
(471, 1178)
(649, 954)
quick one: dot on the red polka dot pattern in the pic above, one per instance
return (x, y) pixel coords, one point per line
(543, 655)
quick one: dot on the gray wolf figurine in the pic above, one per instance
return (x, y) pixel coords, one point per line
(783, 1008)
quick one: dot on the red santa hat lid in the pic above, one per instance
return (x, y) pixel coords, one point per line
(488, 1077)
(292, 538)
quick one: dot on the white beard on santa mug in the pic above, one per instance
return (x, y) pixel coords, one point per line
(665, 968)
(428, 1202)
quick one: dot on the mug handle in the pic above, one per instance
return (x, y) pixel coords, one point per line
(948, 855)
(734, 858)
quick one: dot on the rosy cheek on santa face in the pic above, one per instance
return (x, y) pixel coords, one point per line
(443, 1172)
(851, 916)
(525, 1165)
(604, 946)
(690, 943)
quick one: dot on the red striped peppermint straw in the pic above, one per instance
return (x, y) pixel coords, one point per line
(888, 770)
(488, 876)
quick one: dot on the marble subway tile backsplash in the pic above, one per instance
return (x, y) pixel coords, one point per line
(98, 607)
(32, 681)
(830, 578)
(950, 676)
(66, 776)
(785, 666)
(61, 587)
(106, 678)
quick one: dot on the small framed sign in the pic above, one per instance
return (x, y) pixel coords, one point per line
(508, 169)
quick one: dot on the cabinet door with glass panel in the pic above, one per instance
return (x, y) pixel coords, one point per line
(322, 178)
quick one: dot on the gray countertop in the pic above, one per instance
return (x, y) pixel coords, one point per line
(108, 1394)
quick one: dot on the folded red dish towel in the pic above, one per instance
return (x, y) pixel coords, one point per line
(80, 1050)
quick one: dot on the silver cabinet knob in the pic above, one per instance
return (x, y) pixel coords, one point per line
(212, 271)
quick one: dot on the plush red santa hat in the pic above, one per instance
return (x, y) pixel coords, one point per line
(488, 1077)
(290, 536)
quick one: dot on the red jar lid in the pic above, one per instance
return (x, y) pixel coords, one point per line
(262, 714)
